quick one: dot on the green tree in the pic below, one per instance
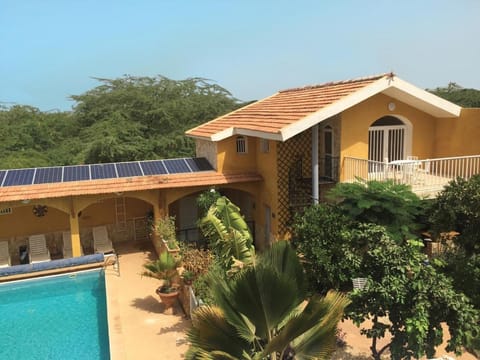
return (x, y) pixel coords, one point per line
(458, 95)
(157, 110)
(116, 140)
(33, 138)
(457, 208)
(129, 118)
(385, 203)
(405, 296)
(323, 236)
(262, 312)
(409, 298)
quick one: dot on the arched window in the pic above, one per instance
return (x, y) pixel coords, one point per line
(242, 145)
(387, 140)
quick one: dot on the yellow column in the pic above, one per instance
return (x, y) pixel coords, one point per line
(158, 213)
(75, 231)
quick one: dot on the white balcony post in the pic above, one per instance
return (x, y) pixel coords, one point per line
(315, 185)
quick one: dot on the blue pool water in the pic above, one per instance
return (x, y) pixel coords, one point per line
(59, 317)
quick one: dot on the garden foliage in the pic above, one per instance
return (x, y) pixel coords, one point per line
(262, 312)
(367, 234)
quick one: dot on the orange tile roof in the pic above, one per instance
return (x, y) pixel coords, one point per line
(107, 186)
(284, 108)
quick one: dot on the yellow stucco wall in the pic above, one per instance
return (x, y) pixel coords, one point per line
(94, 210)
(357, 120)
(267, 192)
(229, 160)
(103, 212)
(22, 221)
(264, 193)
(458, 137)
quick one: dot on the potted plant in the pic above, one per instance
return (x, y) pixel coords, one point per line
(188, 276)
(164, 268)
(166, 230)
(172, 246)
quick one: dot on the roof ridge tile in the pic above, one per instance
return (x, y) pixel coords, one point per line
(341, 82)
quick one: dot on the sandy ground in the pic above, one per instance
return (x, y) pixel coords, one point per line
(139, 329)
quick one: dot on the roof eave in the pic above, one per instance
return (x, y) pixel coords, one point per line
(198, 137)
(246, 132)
(125, 185)
(335, 108)
(391, 86)
(422, 99)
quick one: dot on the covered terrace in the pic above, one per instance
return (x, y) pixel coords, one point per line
(50, 201)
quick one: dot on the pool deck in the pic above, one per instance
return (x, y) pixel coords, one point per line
(138, 328)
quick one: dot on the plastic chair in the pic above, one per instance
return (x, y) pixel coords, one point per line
(38, 250)
(101, 242)
(4, 254)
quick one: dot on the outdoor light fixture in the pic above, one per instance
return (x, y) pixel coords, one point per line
(40, 210)
(391, 106)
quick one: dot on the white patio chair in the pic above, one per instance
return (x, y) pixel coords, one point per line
(101, 242)
(37, 249)
(359, 283)
(67, 245)
(4, 254)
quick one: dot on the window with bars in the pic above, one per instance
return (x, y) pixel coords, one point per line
(242, 145)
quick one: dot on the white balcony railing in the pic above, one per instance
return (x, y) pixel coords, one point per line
(426, 177)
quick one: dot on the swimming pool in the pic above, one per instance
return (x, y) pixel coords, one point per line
(58, 317)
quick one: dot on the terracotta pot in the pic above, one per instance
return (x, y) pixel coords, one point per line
(168, 299)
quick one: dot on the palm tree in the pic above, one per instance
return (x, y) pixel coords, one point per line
(262, 313)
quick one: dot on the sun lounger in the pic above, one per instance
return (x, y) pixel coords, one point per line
(67, 245)
(101, 242)
(37, 249)
(4, 254)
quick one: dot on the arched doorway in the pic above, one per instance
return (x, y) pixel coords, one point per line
(388, 139)
(186, 213)
(126, 219)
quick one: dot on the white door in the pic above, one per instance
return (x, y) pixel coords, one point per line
(386, 143)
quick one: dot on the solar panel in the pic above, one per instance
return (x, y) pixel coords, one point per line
(154, 167)
(199, 164)
(2, 176)
(58, 174)
(176, 166)
(19, 177)
(76, 173)
(128, 169)
(103, 171)
(48, 175)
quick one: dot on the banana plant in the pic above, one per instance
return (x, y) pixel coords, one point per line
(228, 234)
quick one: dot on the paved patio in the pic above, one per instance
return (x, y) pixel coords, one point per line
(138, 328)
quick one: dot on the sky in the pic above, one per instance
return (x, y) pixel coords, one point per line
(52, 49)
